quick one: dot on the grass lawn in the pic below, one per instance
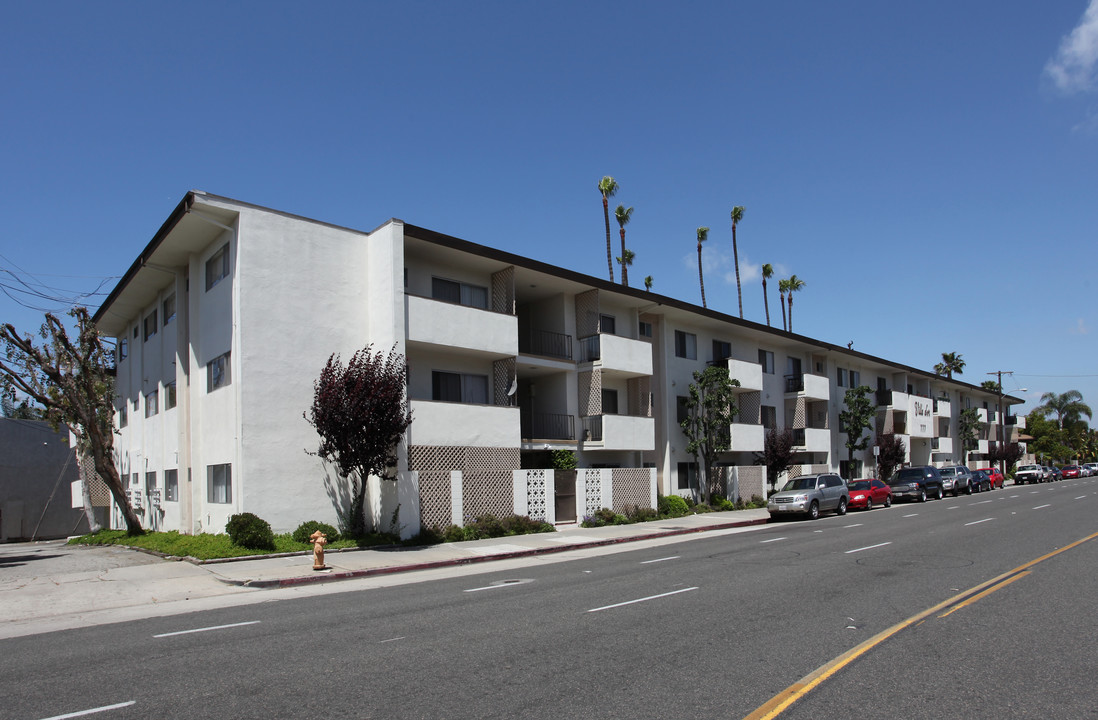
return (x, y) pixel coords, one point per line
(207, 546)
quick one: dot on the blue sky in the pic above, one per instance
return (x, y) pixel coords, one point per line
(929, 169)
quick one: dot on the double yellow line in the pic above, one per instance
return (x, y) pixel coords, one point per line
(777, 704)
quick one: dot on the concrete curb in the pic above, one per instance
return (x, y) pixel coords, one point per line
(353, 574)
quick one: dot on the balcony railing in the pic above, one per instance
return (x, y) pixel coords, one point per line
(590, 349)
(884, 398)
(592, 428)
(547, 344)
(798, 437)
(794, 383)
(547, 426)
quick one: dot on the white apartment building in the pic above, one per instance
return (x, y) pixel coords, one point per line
(229, 314)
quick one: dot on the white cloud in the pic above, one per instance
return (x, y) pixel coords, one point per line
(1074, 67)
(1080, 328)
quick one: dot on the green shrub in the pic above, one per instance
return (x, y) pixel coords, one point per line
(637, 514)
(721, 503)
(564, 460)
(673, 506)
(250, 531)
(702, 508)
(306, 529)
(489, 526)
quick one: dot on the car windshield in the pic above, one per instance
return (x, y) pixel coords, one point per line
(860, 485)
(1029, 467)
(909, 474)
(801, 483)
(947, 472)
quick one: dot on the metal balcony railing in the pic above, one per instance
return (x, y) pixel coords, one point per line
(592, 428)
(547, 344)
(547, 426)
(590, 349)
(798, 436)
(794, 383)
(884, 398)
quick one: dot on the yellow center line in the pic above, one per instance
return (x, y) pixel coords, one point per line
(984, 594)
(777, 704)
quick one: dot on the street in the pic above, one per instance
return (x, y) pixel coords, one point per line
(714, 625)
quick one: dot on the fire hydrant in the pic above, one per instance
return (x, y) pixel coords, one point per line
(319, 541)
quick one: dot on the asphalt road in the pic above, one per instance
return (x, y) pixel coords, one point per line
(714, 626)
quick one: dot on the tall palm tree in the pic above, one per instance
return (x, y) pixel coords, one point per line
(625, 261)
(648, 283)
(608, 186)
(783, 288)
(951, 363)
(623, 215)
(795, 285)
(767, 272)
(703, 235)
(1067, 406)
(737, 215)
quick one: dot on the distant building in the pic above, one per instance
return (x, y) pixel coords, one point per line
(37, 473)
(227, 317)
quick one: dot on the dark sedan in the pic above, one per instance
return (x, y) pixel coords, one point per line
(981, 481)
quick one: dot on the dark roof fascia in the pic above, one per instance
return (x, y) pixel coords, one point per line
(536, 265)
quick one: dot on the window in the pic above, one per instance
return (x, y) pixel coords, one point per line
(169, 309)
(151, 404)
(459, 387)
(769, 417)
(645, 329)
(134, 332)
(171, 485)
(840, 377)
(609, 402)
(855, 379)
(682, 412)
(686, 345)
(219, 483)
(150, 482)
(217, 267)
(218, 373)
(150, 325)
(123, 349)
(766, 359)
(688, 476)
(721, 350)
(608, 325)
(459, 292)
(169, 396)
(123, 418)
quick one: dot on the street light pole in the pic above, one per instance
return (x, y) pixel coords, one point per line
(1002, 419)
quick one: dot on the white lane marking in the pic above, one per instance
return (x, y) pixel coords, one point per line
(850, 526)
(207, 629)
(868, 547)
(953, 507)
(1014, 496)
(763, 542)
(1043, 506)
(643, 599)
(911, 515)
(977, 522)
(81, 713)
(392, 639)
(1034, 492)
(499, 584)
(671, 557)
(1081, 497)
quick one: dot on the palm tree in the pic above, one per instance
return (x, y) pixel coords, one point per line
(1067, 406)
(703, 235)
(608, 186)
(648, 283)
(737, 215)
(795, 285)
(767, 272)
(783, 288)
(623, 215)
(951, 363)
(625, 261)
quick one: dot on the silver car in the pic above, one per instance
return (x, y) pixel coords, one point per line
(810, 495)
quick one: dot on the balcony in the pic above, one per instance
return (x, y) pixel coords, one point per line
(1018, 421)
(812, 439)
(942, 445)
(548, 426)
(463, 425)
(749, 374)
(747, 438)
(942, 408)
(893, 399)
(806, 385)
(619, 432)
(617, 355)
(545, 343)
(981, 447)
(453, 326)
(981, 415)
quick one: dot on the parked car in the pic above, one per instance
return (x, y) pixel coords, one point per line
(1054, 473)
(981, 481)
(996, 476)
(810, 495)
(956, 478)
(1092, 469)
(869, 492)
(1070, 471)
(1029, 474)
(917, 483)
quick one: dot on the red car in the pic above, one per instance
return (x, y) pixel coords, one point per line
(867, 493)
(996, 477)
(1070, 471)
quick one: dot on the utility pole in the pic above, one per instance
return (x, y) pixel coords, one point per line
(1002, 418)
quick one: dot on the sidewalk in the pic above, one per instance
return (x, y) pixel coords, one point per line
(270, 572)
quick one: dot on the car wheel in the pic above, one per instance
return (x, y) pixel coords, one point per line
(955, 492)
(814, 510)
(968, 490)
(869, 504)
(888, 501)
(841, 510)
(940, 493)
(922, 495)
